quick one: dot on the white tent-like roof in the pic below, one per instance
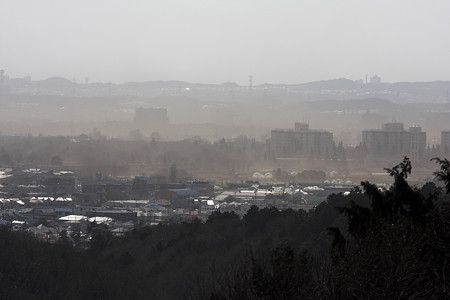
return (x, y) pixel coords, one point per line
(73, 218)
(101, 220)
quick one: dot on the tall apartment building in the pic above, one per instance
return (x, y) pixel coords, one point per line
(393, 142)
(301, 142)
(445, 143)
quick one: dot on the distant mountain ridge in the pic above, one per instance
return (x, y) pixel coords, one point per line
(262, 94)
(329, 84)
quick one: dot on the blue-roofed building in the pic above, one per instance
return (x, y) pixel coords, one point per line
(186, 192)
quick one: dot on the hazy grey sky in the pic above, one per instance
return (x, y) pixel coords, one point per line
(214, 41)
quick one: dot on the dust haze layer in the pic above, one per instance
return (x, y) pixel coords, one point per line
(212, 112)
(212, 132)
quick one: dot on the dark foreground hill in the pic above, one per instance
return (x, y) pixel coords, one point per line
(371, 244)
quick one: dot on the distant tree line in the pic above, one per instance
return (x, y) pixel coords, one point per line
(89, 154)
(230, 159)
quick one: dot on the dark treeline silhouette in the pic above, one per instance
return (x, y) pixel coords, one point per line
(370, 244)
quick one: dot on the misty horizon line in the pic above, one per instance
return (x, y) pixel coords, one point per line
(86, 81)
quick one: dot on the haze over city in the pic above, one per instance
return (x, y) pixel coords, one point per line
(225, 41)
(212, 149)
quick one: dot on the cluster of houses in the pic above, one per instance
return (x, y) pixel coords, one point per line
(54, 205)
